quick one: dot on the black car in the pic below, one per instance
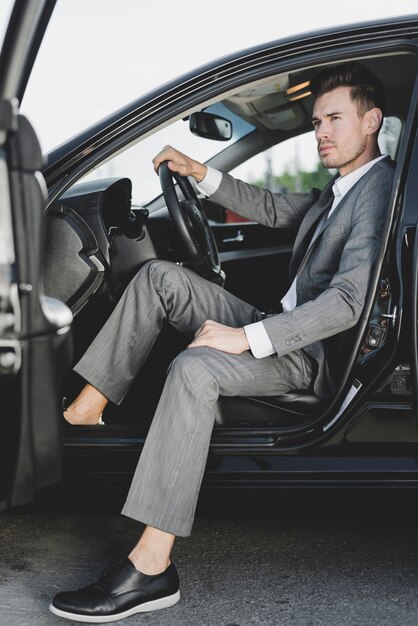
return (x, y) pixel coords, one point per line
(75, 228)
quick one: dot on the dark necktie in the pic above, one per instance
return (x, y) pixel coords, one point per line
(300, 259)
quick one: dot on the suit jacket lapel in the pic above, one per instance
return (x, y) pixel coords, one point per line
(307, 228)
(343, 201)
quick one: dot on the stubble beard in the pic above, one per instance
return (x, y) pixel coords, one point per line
(347, 156)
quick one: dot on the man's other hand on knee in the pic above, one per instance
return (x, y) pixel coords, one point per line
(220, 337)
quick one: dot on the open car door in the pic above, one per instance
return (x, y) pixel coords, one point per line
(35, 340)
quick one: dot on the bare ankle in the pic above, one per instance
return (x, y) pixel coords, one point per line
(151, 555)
(87, 408)
(149, 563)
(77, 416)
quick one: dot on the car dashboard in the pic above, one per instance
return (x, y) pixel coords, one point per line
(95, 242)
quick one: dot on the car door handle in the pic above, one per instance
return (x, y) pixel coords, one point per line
(237, 239)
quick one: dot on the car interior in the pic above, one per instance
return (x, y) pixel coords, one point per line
(97, 238)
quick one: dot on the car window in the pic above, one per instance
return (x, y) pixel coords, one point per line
(293, 165)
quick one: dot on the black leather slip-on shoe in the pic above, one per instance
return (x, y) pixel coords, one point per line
(120, 592)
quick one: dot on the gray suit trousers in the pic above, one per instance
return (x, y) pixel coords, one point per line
(165, 487)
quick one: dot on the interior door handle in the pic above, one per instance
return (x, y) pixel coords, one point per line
(237, 239)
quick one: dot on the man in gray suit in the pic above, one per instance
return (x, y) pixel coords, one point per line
(234, 348)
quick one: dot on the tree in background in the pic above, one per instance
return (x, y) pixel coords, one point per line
(298, 181)
(288, 182)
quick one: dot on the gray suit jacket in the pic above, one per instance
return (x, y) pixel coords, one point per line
(334, 274)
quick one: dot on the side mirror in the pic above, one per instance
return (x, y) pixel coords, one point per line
(210, 126)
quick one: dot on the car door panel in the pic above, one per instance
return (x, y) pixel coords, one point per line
(35, 340)
(256, 261)
(31, 442)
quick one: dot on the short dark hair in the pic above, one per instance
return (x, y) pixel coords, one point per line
(365, 88)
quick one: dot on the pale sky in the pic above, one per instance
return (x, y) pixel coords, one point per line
(100, 54)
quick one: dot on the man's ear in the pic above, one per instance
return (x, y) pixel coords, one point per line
(372, 120)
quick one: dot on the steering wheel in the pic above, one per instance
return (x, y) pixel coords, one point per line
(191, 224)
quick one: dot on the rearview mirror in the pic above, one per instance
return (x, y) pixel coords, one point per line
(210, 126)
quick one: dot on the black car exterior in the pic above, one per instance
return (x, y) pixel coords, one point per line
(365, 437)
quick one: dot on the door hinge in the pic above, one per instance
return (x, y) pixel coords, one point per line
(392, 316)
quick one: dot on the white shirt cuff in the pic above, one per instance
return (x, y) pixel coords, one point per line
(257, 337)
(211, 182)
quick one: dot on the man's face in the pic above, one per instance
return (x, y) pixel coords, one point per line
(339, 131)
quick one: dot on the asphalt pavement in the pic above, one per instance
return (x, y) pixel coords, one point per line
(296, 560)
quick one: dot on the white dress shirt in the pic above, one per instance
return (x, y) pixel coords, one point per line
(260, 344)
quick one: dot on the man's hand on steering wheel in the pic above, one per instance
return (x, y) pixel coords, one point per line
(180, 163)
(190, 222)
